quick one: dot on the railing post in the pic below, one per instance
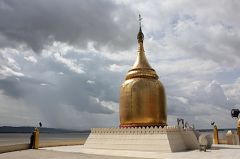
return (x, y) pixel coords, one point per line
(238, 130)
(36, 139)
(215, 135)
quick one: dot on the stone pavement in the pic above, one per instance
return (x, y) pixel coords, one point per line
(74, 152)
(46, 154)
(217, 152)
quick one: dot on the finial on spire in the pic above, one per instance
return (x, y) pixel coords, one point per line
(140, 35)
(140, 20)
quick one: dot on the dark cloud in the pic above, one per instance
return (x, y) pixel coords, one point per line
(39, 23)
(11, 87)
(44, 89)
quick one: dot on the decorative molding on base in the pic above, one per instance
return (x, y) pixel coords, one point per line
(166, 139)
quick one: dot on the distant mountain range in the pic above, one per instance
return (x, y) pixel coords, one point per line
(29, 129)
(209, 130)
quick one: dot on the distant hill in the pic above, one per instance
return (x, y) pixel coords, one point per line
(29, 129)
(209, 130)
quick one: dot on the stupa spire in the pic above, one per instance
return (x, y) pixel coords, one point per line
(141, 61)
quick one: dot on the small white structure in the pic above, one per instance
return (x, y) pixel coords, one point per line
(205, 141)
(167, 139)
(232, 138)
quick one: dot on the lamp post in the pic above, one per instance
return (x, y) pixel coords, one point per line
(36, 136)
(235, 114)
(215, 133)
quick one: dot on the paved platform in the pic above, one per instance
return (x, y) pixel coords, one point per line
(74, 152)
(217, 151)
(46, 154)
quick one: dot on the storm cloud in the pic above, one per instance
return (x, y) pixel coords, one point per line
(37, 24)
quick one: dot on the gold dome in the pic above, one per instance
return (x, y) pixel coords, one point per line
(142, 96)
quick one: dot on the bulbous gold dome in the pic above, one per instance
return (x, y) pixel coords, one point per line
(142, 96)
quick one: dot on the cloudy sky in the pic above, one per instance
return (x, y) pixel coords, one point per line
(62, 62)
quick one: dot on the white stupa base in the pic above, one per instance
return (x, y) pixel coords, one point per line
(167, 139)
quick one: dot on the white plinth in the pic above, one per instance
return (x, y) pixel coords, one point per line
(167, 139)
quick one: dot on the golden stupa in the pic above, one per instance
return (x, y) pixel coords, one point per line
(142, 96)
